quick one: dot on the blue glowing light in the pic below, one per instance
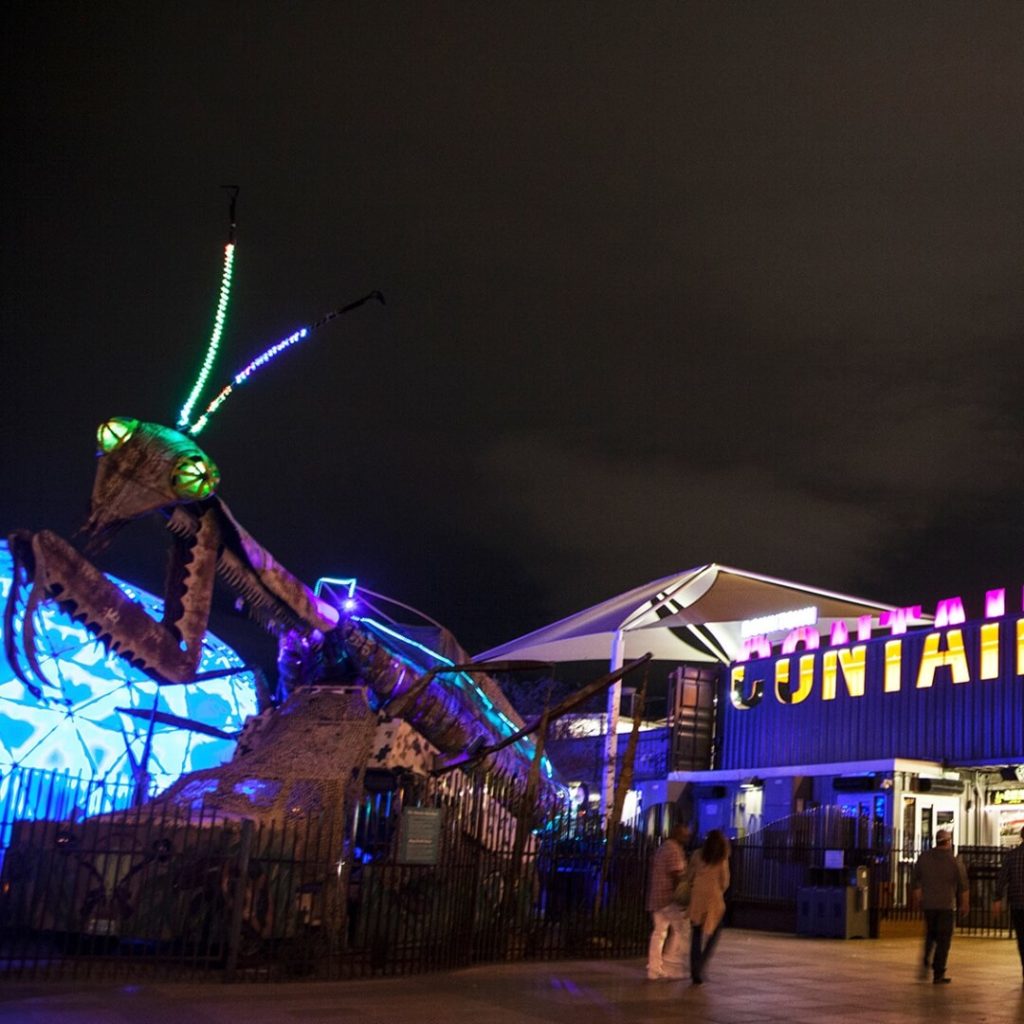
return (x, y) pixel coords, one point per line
(348, 584)
(269, 355)
(244, 374)
(81, 724)
(500, 722)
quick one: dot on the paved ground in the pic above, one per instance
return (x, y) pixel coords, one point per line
(754, 978)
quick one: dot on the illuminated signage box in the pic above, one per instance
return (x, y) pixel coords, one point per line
(951, 693)
(1006, 798)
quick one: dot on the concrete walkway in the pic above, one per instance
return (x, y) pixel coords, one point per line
(754, 978)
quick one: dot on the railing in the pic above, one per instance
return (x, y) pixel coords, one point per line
(29, 793)
(769, 867)
(89, 890)
(982, 864)
(185, 892)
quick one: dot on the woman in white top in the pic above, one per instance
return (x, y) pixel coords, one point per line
(709, 871)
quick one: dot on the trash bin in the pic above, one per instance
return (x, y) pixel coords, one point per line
(834, 911)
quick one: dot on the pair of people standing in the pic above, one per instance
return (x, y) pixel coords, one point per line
(707, 878)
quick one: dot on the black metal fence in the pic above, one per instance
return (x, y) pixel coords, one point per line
(184, 892)
(770, 868)
(982, 865)
(423, 874)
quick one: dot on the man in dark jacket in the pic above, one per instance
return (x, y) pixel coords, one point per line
(1010, 884)
(939, 886)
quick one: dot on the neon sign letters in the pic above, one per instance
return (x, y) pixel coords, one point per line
(984, 652)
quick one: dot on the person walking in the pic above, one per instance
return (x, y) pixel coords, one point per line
(1010, 884)
(668, 867)
(709, 871)
(939, 886)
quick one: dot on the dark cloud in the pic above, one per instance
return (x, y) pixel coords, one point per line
(665, 285)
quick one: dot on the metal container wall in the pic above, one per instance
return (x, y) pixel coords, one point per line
(971, 721)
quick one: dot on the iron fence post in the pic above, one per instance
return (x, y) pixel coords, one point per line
(238, 900)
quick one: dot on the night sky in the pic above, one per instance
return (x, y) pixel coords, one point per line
(667, 283)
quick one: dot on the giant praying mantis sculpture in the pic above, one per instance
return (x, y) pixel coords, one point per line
(146, 469)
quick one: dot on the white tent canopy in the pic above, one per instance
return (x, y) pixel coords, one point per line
(695, 615)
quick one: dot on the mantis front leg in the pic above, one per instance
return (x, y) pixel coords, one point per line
(168, 650)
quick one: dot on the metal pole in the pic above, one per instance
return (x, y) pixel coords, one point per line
(611, 743)
(235, 929)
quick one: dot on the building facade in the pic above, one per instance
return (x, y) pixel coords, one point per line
(905, 721)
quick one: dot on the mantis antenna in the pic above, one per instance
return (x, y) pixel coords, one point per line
(219, 317)
(270, 354)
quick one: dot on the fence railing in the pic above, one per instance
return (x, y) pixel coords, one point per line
(92, 882)
(30, 793)
(183, 891)
(770, 867)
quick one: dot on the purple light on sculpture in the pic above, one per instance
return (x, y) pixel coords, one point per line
(328, 611)
(243, 375)
(348, 603)
(272, 353)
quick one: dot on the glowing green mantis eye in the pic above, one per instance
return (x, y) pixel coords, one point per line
(194, 477)
(115, 432)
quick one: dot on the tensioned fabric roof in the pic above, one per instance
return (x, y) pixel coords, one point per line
(694, 615)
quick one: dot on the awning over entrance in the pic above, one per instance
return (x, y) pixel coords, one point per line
(694, 615)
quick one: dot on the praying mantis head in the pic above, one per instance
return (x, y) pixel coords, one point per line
(143, 468)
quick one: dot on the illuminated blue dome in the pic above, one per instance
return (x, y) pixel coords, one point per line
(82, 725)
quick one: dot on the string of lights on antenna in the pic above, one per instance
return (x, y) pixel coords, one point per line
(270, 354)
(243, 375)
(219, 317)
